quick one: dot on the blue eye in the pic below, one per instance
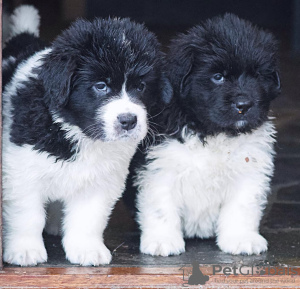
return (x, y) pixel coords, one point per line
(101, 86)
(141, 87)
(218, 78)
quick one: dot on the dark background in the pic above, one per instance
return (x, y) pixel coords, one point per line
(282, 17)
(180, 13)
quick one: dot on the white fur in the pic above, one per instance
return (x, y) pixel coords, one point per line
(6, 62)
(122, 104)
(25, 19)
(195, 190)
(88, 186)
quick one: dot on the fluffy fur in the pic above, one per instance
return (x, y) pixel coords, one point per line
(74, 113)
(20, 23)
(210, 176)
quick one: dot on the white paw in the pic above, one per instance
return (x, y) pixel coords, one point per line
(25, 251)
(162, 246)
(247, 243)
(86, 252)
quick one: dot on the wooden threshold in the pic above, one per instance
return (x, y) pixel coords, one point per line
(133, 277)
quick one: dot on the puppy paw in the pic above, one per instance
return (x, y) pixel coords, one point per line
(25, 252)
(248, 243)
(89, 252)
(162, 246)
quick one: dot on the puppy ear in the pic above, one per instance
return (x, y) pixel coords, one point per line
(184, 78)
(277, 80)
(180, 64)
(187, 63)
(166, 89)
(56, 74)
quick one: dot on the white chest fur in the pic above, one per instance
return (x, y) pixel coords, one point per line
(201, 178)
(98, 165)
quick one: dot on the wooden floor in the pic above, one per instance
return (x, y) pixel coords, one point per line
(123, 277)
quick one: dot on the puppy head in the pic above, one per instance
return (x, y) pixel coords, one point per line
(103, 76)
(225, 74)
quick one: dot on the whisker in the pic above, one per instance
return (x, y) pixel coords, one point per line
(160, 112)
(90, 127)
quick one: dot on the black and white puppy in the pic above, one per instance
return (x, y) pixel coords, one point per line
(74, 113)
(211, 174)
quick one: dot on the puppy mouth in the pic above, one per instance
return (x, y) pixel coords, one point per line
(134, 134)
(240, 124)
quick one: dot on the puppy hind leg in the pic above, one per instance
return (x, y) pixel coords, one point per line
(54, 218)
(158, 217)
(24, 220)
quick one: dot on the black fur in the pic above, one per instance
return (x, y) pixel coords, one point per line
(84, 54)
(32, 124)
(20, 47)
(247, 58)
(244, 54)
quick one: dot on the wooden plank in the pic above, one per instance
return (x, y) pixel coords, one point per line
(124, 277)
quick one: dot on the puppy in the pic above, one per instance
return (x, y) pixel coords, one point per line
(74, 113)
(210, 176)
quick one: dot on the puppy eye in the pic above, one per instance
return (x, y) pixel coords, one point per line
(141, 87)
(101, 86)
(218, 78)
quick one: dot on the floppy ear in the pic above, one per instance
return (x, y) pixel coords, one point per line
(181, 65)
(277, 79)
(56, 74)
(187, 63)
(166, 89)
(185, 77)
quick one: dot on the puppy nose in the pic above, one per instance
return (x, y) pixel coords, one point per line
(127, 120)
(243, 105)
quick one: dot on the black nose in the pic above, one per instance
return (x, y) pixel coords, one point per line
(243, 106)
(127, 120)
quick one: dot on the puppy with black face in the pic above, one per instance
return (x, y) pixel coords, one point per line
(74, 113)
(211, 175)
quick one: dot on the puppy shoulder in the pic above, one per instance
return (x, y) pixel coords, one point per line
(23, 77)
(26, 116)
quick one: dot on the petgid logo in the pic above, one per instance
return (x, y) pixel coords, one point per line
(194, 276)
(253, 270)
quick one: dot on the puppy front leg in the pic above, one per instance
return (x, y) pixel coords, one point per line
(159, 218)
(24, 220)
(85, 219)
(238, 224)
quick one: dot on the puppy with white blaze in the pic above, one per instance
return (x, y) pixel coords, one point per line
(210, 175)
(74, 113)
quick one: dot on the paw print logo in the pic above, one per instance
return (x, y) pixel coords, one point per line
(197, 277)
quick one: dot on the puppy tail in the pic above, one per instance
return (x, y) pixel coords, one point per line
(5, 25)
(25, 18)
